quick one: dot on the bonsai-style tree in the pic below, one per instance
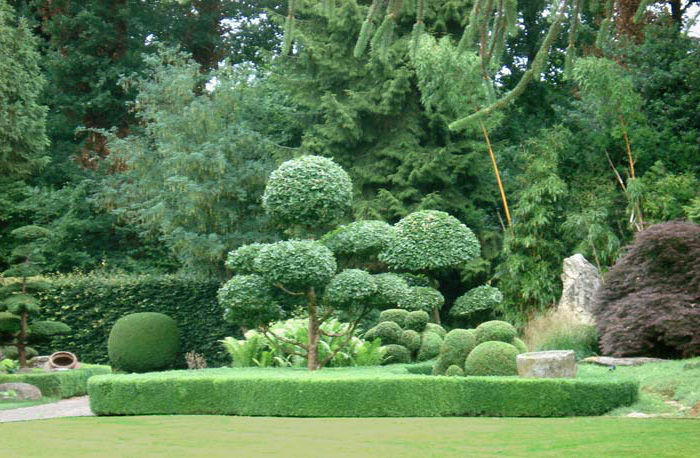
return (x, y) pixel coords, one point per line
(18, 301)
(300, 276)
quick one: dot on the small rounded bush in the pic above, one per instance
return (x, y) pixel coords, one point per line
(388, 331)
(296, 264)
(361, 238)
(349, 287)
(429, 347)
(143, 342)
(520, 345)
(421, 298)
(430, 239)
(248, 300)
(308, 191)
(411, 340)
(492, 358)
(436, 328)
(495, 330)
(455, 348)
(398, 316)
(454, 371)
(479, 299)
(396, 354)
(416, 320)
(390, 289)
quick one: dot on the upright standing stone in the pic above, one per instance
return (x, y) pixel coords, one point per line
(581, 280)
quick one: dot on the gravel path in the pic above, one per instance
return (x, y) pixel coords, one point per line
(73, 407)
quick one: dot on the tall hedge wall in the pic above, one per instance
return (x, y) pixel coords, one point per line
(91, 304)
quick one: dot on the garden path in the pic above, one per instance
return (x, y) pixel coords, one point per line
(73, 407)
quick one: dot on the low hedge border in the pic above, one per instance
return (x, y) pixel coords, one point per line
(61, 384)
(351, 393)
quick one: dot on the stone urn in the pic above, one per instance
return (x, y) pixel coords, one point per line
(62, 360)
(547, 364)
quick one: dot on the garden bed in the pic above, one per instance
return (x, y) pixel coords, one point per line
(351, 392)
(59, 384)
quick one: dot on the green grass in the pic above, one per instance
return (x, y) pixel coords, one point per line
(214, 436)
(659, 383)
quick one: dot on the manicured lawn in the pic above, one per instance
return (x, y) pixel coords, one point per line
(214, 436)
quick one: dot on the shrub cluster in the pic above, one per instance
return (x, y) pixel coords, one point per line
(407, 336)
(59, 384)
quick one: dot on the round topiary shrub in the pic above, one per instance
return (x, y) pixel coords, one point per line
(242, 259)
(411, 340)
(388, 331)
(429, 347)
(416, 320)
(422, 298)
(390, 290)
(492, 358)
(436, 328)
(308, 191)
(349, 287)
(455, 348)
(495, 330)
(454, 371)
(648, 305)
(398, 316)
(361, 238)
(476, 302)
(143, 342)
(396, 354)
(520, 345)
(296, 264)
(249, 300)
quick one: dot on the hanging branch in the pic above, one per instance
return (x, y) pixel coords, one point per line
(418, 27)
(289, 28)
(573, 32)
(469, 34)
(606, 25)
(366, 29)
(381, 41)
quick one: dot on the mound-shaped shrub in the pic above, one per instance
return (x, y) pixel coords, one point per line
(390, 290)
(411, 340)
(422, 298)
(492, 358)
(478, 301)
(454, 371)
(495, 330)
(436, 328)
(398, 316)
(349, 287)
(396, 354)
(416, 320)
(520, 345)
(648, 305)
(143, 342)
(429, 347)
(388, 331)
(360, 238)
(457, 345)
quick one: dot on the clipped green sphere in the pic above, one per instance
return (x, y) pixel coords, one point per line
(416, 320)
(492, 358)
(398, 316)
(308, 191)
(454, 371)
(475, 300)
(143, 342)
(249, 300)
(242, 259)
(349, 287)
(520, 345)
(391, 288)
(455, 348)
(388, 331)
(296, 264)
(495, 330)
(429, 347)
(396, 354)
(436, 328)
(411, 340)
(422, 298)
(361, 238)
(430, 239)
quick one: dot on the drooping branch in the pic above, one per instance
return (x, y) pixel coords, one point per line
(291, 293)
(273, 338)
(366, 30)
(289, 28)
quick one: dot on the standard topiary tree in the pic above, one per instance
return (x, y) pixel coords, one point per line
(143, 342)
(476, 304)
(492, 358)
(648, 305)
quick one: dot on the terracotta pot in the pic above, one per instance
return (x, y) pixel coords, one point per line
(62, 360)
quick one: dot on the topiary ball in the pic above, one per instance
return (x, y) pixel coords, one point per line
(308, 191)
(349, 287)
(520, 345)
(398, 316)
(249, 300)
(429, 347)
(421, 298)
(396, 354)
(143, 342)
(454, 371)
(411, 340)
(479, 299)
(495, 330)
(391, 288)
(455, 348)
(416, 320)
(388, 331)
(436, 328)
(361, 238)
(296, 264)
(242, 259)
(492, 358)
(430, 239)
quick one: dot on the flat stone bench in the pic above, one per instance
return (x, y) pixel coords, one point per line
(547, 364)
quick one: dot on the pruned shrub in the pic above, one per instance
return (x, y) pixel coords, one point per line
(416, 320)
(520, 345)
(436, 328)
(398, 316)
(143, 342)
(492, 358)
(422, 298)
(495, 330)
(411, 340)
(648, 305)
(454, 371)
(429, 347)
(457, 345)
(476, 303)
(396, 354)
(388, 331)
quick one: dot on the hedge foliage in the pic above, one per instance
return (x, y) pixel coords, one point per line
(363, 392)
(61, 384)
(92, 304)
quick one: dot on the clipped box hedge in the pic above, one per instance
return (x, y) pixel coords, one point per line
(59, 384)
(351, 393)
(91, 304)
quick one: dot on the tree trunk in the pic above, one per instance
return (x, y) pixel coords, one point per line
(436, 315)
(312, 361)
(21, 348)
